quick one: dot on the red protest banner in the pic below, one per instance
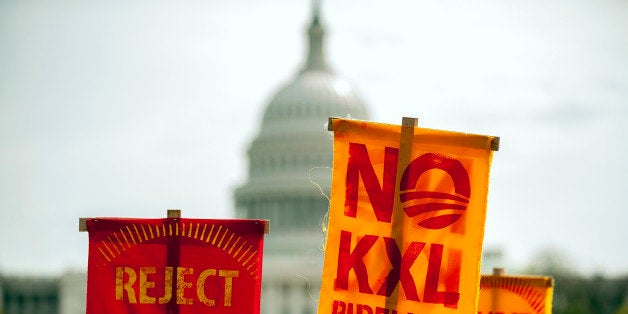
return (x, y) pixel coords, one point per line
(174, 265)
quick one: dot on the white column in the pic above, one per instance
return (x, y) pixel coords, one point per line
(296, 298)
(271, 296)
(72, 293)
(312, 295)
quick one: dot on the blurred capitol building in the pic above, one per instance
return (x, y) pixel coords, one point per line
(289, 170)
(43, 295)
(288, 161)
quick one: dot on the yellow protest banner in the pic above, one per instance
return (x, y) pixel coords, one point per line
(515, 294)
(406, 219)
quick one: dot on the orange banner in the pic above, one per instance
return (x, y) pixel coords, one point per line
(516, 294)
(406, 221)
(174, 265)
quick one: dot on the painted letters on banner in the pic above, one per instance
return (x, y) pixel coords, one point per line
(516, 294)
(406, 220)
(174, 265)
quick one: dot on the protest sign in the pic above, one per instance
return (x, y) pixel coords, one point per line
(174, 265)
(406, 221)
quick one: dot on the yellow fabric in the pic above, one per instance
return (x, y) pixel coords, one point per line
(516, 294)
(386, 249)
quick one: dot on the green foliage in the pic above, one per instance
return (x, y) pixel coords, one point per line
(574, 293)
(577, 294)
(623, 309)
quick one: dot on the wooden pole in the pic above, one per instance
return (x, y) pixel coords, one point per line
(82, 224)
(172, 259)
(398, 218)
(494, 293)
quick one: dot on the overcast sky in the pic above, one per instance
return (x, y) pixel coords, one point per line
(127, 108)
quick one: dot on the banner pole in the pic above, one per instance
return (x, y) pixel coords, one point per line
(495, 295)
(405, 153)
(172, 258)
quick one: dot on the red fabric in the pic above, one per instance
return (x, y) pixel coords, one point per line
(174, 265)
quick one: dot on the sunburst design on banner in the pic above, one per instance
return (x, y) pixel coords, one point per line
(215, 234)
(519, 286)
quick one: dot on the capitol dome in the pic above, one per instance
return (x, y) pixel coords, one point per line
(293, 141)
(315, 94)
(289, 177)
(311, 96)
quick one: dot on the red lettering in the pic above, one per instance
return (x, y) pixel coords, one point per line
(382, 310)
(361, 174)
(364, 308)
(348, 260)
(339, 307)
(400, 271)
(382, 197)
(431, 294)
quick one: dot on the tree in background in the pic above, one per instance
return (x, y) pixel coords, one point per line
(575, 293)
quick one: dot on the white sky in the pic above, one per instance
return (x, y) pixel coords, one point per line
(127, 108)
